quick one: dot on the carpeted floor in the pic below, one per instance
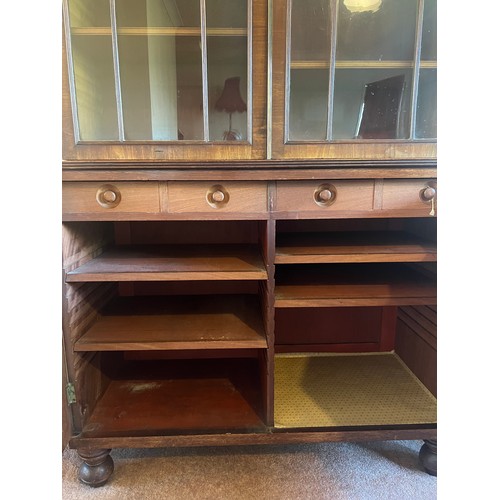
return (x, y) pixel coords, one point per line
(387, 470)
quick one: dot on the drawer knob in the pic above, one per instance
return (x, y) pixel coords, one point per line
(428, 193)
(108, 196)
(217, 196)
(325, 195)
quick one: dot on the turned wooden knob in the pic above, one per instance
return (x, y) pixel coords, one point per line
(218, 196)
(109, 196)
(325, 195)
(428, 193)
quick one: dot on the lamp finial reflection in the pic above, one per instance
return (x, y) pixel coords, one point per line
(231, 101)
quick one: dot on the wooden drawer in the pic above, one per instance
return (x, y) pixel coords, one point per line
(327, 196)
(109, 198)
(409, 195)
(214, 198)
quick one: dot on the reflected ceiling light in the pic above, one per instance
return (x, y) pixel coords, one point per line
(363, 5)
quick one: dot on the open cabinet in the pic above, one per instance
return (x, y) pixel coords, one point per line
(249, 250)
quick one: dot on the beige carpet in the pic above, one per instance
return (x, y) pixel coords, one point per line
(386, 470)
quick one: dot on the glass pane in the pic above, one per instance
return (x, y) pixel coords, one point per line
(226, 13)
(308, 104)
(89, 13)
(310, 30)
(426, 121)
(374, 68)
(372, 103)
(158, 13)
(386, 33)
(426, 117)
(160, 69)
(429, 31)
(94, 78)
(227, 69)
(310, 38)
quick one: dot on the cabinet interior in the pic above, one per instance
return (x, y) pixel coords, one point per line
(193, 326)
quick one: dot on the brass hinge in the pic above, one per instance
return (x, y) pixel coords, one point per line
(70, 393)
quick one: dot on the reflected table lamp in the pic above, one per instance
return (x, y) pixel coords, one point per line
(231, 101)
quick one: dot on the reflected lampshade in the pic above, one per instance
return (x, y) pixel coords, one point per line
(230, 99)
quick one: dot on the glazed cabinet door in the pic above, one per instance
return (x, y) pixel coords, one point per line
(354, 79)
(164, 80)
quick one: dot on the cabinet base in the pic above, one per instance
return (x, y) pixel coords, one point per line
(428, 456)
(96, 468)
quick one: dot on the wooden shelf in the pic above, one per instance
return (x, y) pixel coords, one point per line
(173, 263)
(335, 390)
(159, 31)
(170, 323)
(368, 246)
(163, 398)
(347, 285)
(360, 64)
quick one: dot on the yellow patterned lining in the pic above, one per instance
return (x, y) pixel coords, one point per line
(326, 390)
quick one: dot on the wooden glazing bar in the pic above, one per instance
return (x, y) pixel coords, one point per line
(416, 71)
(204, 69)
(331, 67)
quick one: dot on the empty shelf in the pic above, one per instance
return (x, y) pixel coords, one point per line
(367, 246)
(352, 285)
(163, 398)
(171, 263)
(169, 323)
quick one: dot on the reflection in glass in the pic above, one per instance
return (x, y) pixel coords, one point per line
(160, 70)
(381, 109)
(227, 68)
(227, 85)
(89, 13)
(95, 87)
(92, 57)
(372, 103)
(158, 13)
(372, 35)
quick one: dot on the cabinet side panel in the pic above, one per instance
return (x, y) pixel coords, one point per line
(81, 242)
(416, 345)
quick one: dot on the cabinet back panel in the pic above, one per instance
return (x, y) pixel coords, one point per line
(328, 325)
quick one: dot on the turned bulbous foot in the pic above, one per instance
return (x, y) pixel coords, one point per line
(96, 468)
(428, 456)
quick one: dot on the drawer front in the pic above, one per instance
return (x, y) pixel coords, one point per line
(414, 195)
(327, 196)
(217, 197)
(110, 197)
